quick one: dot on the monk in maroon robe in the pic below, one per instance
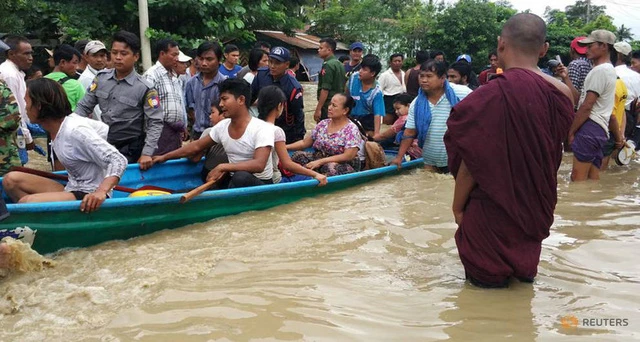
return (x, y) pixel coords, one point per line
(504, 143)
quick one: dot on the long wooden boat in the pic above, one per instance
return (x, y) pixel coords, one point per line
(57, 225)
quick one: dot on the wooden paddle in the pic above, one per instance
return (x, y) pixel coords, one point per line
(197, 191)
(52, 175)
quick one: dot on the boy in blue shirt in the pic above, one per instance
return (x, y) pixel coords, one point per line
(364, 89)
(230, 67)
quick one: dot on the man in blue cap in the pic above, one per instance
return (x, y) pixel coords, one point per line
(472, 79)
(355, 54)
(292, 118)
(465, 57)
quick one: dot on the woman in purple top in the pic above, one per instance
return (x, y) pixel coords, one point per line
(337, 141)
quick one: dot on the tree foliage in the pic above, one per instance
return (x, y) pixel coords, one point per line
(564, 26)
(407, 26)
(187, 21)
(471, 27)
(389, 26)
(578, 12)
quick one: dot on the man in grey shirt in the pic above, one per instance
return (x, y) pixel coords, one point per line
(130, 104)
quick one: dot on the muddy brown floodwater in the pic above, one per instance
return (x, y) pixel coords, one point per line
(373, 263)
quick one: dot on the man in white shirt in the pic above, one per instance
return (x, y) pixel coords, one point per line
(247, 141)
(391, 83)
(590, 129)
(19, 59)
(631, 80)
(95, 53)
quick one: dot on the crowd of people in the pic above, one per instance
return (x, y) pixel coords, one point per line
(500, 133)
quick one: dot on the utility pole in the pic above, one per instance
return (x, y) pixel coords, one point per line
(143, 15)
(588, 10)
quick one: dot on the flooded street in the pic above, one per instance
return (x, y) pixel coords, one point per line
(374, 263)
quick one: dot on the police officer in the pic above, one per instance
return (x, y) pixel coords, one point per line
(292, 118)
(129, 103)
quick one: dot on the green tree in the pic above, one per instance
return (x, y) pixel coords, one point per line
(385, 27)
(560, 33)
(469, 26)
(187, 21)
(578, 11)
(624, 33)
(602, 22)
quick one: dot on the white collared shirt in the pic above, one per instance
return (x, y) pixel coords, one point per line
(631, 79)
(87, 77)
(14, 78)
(390, 84)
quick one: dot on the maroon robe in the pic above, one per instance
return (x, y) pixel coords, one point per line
(509, 133)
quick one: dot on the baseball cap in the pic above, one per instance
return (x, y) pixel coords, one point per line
(600, 36)
(465, 57)
(50, 52)
(356, 45)
(3, 47)
(623, 47)
(183, 58)
(579, 49)
(279, 53)
(94, 46)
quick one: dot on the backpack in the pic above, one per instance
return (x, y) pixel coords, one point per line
(374, 156)
(63, 80)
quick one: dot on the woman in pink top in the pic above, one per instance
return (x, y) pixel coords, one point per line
(337, 141)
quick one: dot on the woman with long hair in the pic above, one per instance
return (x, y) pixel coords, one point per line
(271, 101)
(94, 166)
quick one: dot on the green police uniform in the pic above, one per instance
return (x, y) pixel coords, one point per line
(331, 78)
(9, 124)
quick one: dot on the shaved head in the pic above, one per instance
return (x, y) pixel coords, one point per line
(525, 32)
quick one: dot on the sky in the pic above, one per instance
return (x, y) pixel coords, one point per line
(625, 12)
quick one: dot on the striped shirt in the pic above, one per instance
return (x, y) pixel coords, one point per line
(169, 90)
(433, 151)
(199, 97)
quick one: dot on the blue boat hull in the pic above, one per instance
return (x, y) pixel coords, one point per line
(61, 224)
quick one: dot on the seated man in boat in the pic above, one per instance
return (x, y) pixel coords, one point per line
(94, 165)
(248, 141)
(337, 141)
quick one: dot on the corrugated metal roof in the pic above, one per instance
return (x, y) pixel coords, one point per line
(300, 40)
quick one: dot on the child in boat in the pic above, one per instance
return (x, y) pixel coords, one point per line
(337, 142)
(215, 154)
(401, 105)
(271, 101)
(247, 141)
(94, 166)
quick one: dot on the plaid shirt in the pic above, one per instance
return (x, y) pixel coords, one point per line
(578, 70)
(169, 90)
